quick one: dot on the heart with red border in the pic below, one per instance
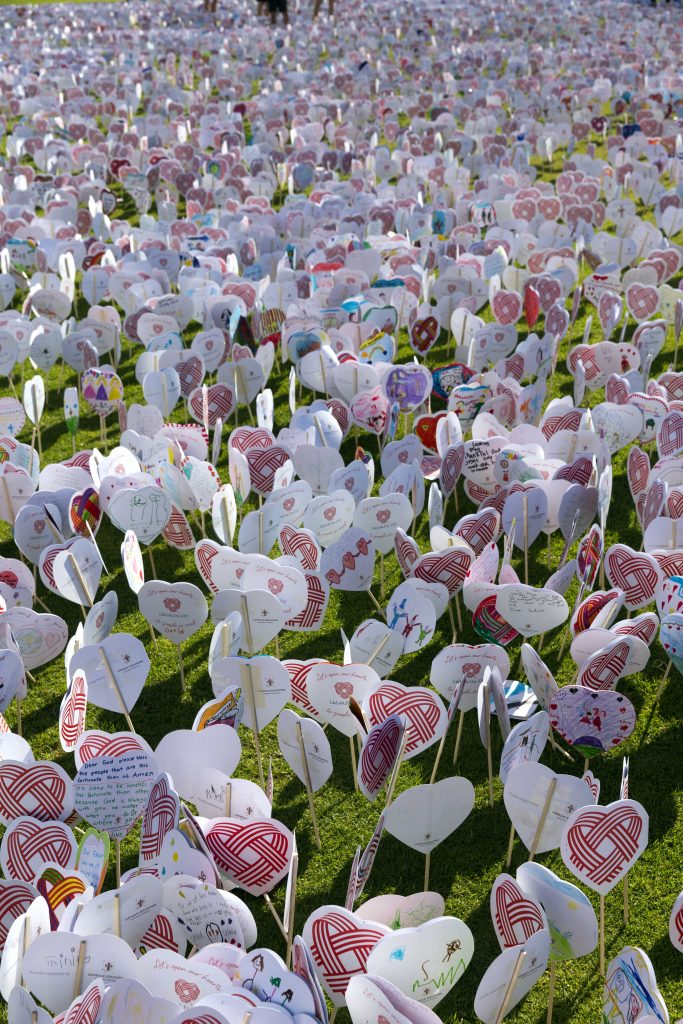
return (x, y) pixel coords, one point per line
(253, 854)
(642, 300)
(246, 438)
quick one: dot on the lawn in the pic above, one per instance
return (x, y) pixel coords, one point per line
(465, 866)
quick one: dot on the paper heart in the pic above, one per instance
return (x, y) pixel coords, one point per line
(515, 917)
(600, 844)
(94, 743)
(507, 307)
(349, 563)
(447, 567)
(254, 854)
(50, 963)
(160, 816)
(111, 792)
(592, 721)
(496, 990)
(28, 844)
(636, 573)
(424, 713)
(642, 301)
(378, 755)
(220, 401)
(15, 899)
(526, 790)
(125, 657)
(41, 790)
(340, 944)
(424, 962)
(84, 512)
(423, 816)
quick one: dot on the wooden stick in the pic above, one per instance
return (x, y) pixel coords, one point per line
(308, 783)
(489, 752)
(551, 992)
(151, 561)
(458, 610)
(246, 623)
(525, 526)
(78, 980)
(181, 667)
(450, 616)
(542, 819)
(252, 705)
(379, 648)
(458, 736)
(602, 936)
(626, 898)
(80, 577)
(276, 916)
(663, 682)
(377, 605)
(511, 843)
(353, 763)
(117, 851)
(116, 688)
(427, 863)
(511, 987)
(294, 872)
(397, 768)
(228, 799)
(117, 915)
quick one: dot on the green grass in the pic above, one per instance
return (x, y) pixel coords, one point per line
(464, 867)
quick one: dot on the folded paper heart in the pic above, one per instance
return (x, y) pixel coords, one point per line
(527, 789)
(515, 916)
(571, 918)
(51, 961)
(340, 944)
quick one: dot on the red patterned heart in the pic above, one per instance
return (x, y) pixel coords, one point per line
(191, 374)
(15, 899)
(220, 400)
(451, 468)
(447, 567)
(423, 334)
(378, 755)
(602, 670)
(29, 844)
(637, 471)
(670, 434)
(515, 916)
(245, 438)
(301, 545)
(340, 945)
(254, 854)
(159, 935)
(72, 712)
(313, 613)
(478, 529)
(41, 790)
(602, 843)
(407, 551)
(642, 300)
(563, 421)
(578, 472)
(422, 708)
(636, 573)
(263, 462)
(506, 306)
(177, 531)
(85, 1009)
(59, 887)
(103, 744)
(298, 674)
(159, 817)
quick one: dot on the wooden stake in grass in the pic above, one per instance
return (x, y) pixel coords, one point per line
(78, 980)
(248, 684)
(602, 936)
(353, 763)
(117, 853)
(115, 686)
(181, 667)
(288, 915)
(487, 729)
(551, 992)
(511, 987)
(308, 783)
(542, 819)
